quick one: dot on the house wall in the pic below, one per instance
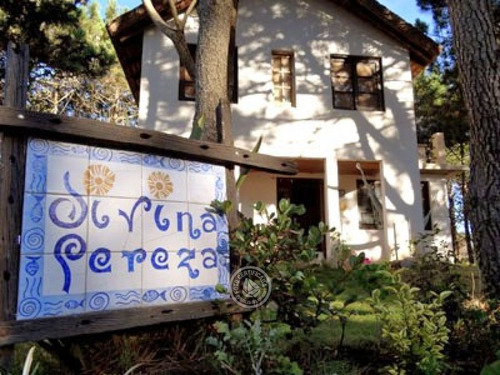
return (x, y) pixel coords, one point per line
(314, 29)
(439, 210)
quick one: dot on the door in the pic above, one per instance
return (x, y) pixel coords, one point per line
(308, 192)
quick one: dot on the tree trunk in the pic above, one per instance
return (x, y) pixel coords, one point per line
(478, 62)
(16, 75)
(212, 66)
(217, 17)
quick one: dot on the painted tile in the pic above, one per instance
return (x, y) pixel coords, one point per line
(63, 305)
(36, 166)
(206, 184)
(206, 261)
(33, 233)
(163, 162)
(162, 227)
(113, 173)
(161, 270)
(116, 223)
(204, 293)
(66, 226)
(63, 274)
(122, 299)
(117, 271)
(66, 165)
(207, 224)
(164, 184)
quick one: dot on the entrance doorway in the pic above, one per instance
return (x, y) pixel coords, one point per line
(308, 192)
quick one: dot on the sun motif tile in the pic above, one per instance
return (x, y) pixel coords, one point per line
(98, 179)
(159, 184)
(164, 184)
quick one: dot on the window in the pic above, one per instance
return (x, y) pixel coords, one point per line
(283, 72)
(187, 86)
(357, 82)
(369, 206)
(426, 204)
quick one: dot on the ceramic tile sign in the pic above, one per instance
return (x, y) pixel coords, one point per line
(105, 229)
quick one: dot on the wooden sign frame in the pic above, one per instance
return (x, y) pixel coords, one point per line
(15, 127)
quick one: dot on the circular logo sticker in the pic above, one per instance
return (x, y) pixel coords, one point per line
(250, 287)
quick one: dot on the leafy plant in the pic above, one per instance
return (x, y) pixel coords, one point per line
(285, 252)
(414, 333)
(253, 348)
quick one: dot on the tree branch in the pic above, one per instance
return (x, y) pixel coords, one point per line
(175, 35)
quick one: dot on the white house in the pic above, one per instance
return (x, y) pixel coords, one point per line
(328, 83)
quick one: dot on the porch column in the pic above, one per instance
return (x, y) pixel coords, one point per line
(332, 206)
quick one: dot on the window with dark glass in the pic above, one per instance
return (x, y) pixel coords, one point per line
(283, 73)
(357, 82)
(426, 204)
(369, 206)
(187, 87)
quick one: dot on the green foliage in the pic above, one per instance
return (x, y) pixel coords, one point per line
(492, 368)
(252, 347)
(57, 89)
(285, 252)
(60, 34)
(414, 333)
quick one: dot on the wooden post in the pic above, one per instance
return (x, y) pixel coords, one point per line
(223, 118)
(12, 161)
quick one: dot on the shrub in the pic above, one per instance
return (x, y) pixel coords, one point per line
(253, 347)
(413, 333)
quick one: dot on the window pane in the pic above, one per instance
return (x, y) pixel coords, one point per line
(287, 95)
(189, 90)
(368, 101)
(367, 68)
(277, 94)
(282, 76)
(285, 62)
(369, 85)
(276, 63)
(343, 100)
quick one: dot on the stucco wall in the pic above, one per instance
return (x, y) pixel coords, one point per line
(314, 29)
(439, 210)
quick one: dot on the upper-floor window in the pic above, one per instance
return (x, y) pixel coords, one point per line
(283, 72)
(187, 86)
(357, 82)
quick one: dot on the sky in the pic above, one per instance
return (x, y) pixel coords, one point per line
(406, 9)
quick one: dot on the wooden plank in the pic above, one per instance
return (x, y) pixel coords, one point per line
(97, 322)
(13, 151)
(12, 161)
(19, 122)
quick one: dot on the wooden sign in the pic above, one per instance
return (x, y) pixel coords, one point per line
(107, 228)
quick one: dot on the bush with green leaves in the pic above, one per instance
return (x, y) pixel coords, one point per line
(414, 333)
(285, 251)
(253, 347)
